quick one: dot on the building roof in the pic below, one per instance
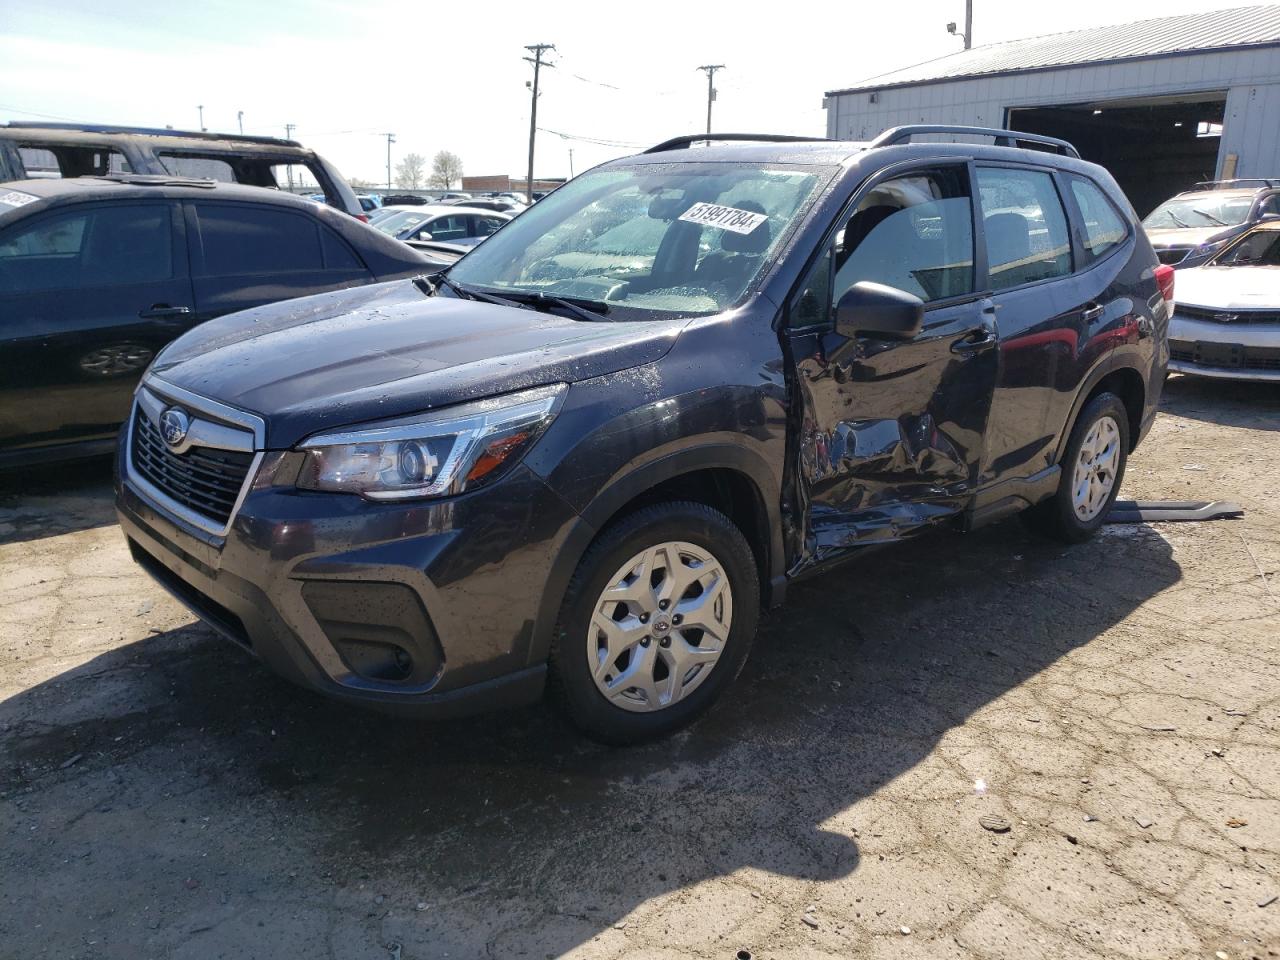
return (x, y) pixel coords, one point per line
(1165, 36)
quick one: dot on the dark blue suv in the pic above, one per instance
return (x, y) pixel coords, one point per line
(590, 450)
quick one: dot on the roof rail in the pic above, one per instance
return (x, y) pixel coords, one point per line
(145, 132)
(1003, 138)
(681, 143)
(1232, 184)
(157, 180)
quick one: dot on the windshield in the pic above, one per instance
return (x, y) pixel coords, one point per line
(398, 221)
(650, 241)
(1204, 211)
(1260, 248)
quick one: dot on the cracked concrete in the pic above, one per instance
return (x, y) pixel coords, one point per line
(162, 796)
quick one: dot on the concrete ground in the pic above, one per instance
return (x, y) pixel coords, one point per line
(1117, 703)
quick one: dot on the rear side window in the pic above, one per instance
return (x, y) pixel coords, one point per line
(1025, 226)
(98, 247)
(240, 240)
(337, 255)
(914, 232)
(203, 168)
(1104, 228)
(69, 161)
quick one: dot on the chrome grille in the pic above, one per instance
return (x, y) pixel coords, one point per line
(1229, 315)
(202, 479)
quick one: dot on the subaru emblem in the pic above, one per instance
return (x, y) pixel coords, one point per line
(1226, 317)
(174, 424)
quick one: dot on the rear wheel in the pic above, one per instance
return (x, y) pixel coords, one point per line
(1092, 470)
(657, 621)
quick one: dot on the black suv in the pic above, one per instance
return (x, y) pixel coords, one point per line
(590, 449)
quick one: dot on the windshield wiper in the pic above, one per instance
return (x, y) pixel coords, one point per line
(580, 307)
(431, 286)
(1209, 216)
(1177, 219)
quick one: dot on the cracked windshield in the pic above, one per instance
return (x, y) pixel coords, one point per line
(645, 241)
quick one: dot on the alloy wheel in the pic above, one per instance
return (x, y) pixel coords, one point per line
(1095, 470)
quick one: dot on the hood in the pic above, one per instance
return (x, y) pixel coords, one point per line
(387, 350)
(1181, 237)
(1239, 288)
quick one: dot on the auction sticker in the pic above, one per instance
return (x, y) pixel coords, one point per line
(726, 218)
(15, 198)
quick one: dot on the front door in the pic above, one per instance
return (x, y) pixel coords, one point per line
(892, 430)
(88, 296)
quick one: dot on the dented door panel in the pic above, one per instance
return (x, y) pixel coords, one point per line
(892, 433)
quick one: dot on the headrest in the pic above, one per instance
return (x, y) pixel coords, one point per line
(757, 241)
(1008, 236)
(862, 223)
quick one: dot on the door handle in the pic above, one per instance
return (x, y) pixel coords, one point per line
(160, 311)
(975, 342)
(1092, 311)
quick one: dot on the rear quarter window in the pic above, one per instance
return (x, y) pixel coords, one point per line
(241, 240)
(1104, 227)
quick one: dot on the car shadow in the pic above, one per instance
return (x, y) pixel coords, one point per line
(53, 499)
(236, 799)
(1247, 404)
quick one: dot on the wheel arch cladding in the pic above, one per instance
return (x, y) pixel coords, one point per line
(714, 476)
(1127, 384)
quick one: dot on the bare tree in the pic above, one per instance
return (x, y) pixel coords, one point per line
(359, 183)
(445, 169)
(411, 172)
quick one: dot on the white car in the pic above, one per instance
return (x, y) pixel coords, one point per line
(441, 222)
(1227, 320)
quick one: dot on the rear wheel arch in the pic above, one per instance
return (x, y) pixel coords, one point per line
(1126, 383)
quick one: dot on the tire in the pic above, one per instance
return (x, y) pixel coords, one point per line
(1066, 515)
(593, 660)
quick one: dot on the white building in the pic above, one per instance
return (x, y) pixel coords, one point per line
(1160, 103)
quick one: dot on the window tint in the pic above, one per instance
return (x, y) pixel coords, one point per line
(452, 227)
(913, 232)
(206, 168)
(105, 246)
(1025, 226)
(240, 239)
(337, 255)
(1104, 228)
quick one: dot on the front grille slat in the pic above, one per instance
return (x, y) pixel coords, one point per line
(1241, 316)
(204, 480)
(1238, 358)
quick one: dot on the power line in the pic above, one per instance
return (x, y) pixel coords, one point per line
(595, 140)
(33, 113)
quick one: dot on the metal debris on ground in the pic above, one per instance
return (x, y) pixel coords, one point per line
(1143, 823)
(809, 919)
(1268, 901)
(1161, 511)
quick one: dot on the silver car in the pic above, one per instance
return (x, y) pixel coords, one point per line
(1227, 320)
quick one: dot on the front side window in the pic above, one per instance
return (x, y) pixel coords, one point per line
(1104, 228)
(98, 247)
(651, 241)
(914, 232)
(1261, 248)
(1025, 226)
(239, 240)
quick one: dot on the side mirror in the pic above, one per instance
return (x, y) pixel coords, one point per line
(873, 308)
(423, 236)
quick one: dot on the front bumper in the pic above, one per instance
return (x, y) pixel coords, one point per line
(1227, 351)
(426, 608)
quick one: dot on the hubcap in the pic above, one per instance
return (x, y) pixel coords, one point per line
(659, 626)
(1095, 471)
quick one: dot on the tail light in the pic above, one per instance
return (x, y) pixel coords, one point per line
(1164, 280)
(364, 218)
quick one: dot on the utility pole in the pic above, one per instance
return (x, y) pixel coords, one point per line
(201, 109)
(967, 36)
(710, 70)
(288, 135)
(240, 120)
(571, 163)
(537, 49)
(391, 138)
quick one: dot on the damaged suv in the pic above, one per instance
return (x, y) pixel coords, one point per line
(588, 452)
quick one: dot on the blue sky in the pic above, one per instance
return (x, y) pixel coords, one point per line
(345, 72)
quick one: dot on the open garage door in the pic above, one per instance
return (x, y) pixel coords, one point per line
(1154, 147)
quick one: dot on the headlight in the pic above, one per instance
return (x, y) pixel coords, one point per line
(435, 455)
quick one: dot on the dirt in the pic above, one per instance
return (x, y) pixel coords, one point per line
(1116, 704)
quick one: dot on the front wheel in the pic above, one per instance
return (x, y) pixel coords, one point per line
(657, 621)
(1092, 470)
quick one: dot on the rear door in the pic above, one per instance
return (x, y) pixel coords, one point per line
(892, 431)
(88, 296)
(245, 255)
